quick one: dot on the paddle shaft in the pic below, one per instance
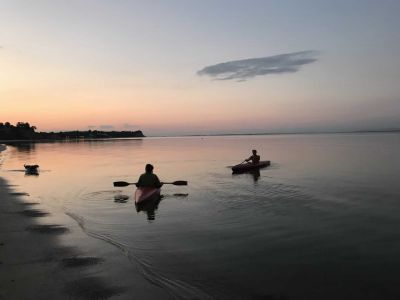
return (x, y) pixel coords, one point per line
(130, 183)
(237, 164)
(123, 183)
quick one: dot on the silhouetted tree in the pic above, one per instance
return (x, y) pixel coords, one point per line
(21, 131)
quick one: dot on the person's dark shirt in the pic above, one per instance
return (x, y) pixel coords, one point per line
(149, 180)
(255, 159)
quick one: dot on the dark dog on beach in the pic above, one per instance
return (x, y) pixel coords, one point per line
(31, 169)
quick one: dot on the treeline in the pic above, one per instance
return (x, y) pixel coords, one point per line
(21, 131)
(24, 131)
(90, 134)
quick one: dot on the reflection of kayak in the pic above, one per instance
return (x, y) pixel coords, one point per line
(250, 166)
(149, 206)
(146, 193)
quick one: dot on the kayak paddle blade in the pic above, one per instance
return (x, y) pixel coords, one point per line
(180, 182)
(121, 183)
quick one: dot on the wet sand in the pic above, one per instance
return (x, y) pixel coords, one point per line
(41, 259)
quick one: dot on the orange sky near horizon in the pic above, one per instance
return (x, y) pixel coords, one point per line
(54, 100)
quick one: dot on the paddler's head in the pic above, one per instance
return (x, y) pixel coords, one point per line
(149, 168)
(254, 152)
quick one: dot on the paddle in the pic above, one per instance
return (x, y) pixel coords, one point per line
(237, 164)
(124, 183)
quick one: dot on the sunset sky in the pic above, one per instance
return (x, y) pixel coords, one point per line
(197, 67)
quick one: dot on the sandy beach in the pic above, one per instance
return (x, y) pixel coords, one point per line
(46, 255)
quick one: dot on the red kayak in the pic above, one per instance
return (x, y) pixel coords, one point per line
(146, 193)
(250, 166)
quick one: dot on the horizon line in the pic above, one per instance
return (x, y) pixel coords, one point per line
(388, 130)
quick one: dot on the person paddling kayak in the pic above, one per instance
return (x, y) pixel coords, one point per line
(149, 179)
(252, 163)
(255, 158)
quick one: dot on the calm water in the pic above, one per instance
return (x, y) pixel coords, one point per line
(323, 222)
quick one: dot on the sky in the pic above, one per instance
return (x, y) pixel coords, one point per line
(200, 67)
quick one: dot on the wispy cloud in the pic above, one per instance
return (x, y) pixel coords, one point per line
(242, 70)
(106, 127)
(128, 126)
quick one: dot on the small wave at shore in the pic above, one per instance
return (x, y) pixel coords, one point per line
(177, 288)
(2, 148)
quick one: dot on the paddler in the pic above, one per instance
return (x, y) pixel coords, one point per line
(149, 179)
(255, 158)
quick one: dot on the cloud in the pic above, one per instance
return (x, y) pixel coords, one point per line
(241, 70)
(128, 126)
(106, 127)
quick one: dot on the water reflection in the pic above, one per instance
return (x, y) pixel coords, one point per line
(34, 172)
(149, 207)
(180, 194)
(24, 147)
(255, 174)
(24, 151)
(121, 198)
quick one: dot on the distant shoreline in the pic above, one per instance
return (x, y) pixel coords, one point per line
(199, 135)
(283, 133)
(68, 140)
(24, 131)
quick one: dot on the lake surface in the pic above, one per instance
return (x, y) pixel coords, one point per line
(322, 222)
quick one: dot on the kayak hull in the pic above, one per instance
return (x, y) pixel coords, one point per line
(143, 194)
(250, 166)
